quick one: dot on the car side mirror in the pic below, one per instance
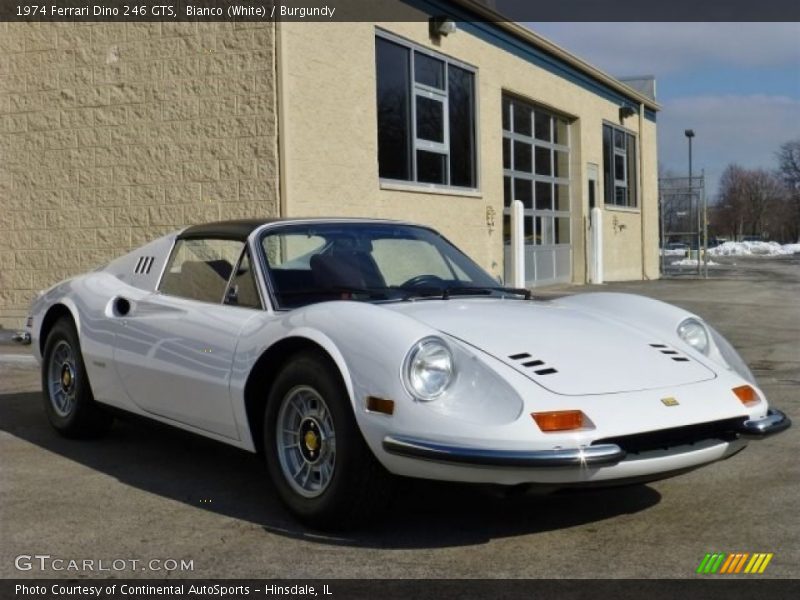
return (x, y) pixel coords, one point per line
(232, 295)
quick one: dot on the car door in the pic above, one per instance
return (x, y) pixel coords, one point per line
(175, 347)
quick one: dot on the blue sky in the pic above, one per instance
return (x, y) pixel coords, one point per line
(736, 84)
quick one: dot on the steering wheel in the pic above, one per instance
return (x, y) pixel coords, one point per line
(424, 281)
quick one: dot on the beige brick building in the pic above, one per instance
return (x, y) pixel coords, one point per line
(112, 134)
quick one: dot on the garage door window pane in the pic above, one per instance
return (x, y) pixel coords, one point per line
(544, 196)
(542, 123)
(507, 191)
(544, 165)
(561, 164)
(506, 153)
(522, 119)
(431, 167)
(562, 230)
(560, 132)
(523, 192)
(523, 160)
(430, 119)
(562, 197)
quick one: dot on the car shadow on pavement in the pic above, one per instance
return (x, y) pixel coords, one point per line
(187, 468)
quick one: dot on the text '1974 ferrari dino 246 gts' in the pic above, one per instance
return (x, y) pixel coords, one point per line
(352, 351)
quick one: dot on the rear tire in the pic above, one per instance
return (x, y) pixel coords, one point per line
(316, 456)
(68, 401)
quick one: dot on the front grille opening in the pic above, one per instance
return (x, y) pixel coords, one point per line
(664, 439)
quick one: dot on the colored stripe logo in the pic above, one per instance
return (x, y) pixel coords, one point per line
(737, 562)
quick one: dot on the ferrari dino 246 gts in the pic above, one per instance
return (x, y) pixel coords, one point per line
(348, 351)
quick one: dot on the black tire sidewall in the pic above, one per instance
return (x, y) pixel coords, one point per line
(352, 453)
(64, 330)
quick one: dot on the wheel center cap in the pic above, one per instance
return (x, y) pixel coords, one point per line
(312, 439)
(67, 377)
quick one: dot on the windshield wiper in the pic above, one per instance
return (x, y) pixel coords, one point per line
(446, 292)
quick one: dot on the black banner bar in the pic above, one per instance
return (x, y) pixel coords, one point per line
(709, 588)
(397, 10)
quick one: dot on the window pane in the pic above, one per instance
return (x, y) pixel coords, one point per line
(619, 167)
(428, 70)
(608, 176)
(528, 227)
(562, 230)
(561, 164)
(242, 290)
(619, 139)
(430, 119)
(542, 124)
(431, 167)
(538, 235)
(621, 196)
(561, 132)
(506, 114)
(461, 108)
(522, 157)
(544, 196)
(544, 164)
(562, 197)
(506, 153)
(548, 230)
(506, 191)
(506, 229)
(199, 269)
(631, 159)
(522, 119)
(524, 192)
(393, 88)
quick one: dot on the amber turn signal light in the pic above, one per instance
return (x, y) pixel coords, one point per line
(381, 405)
(746, 394)
(560, 420)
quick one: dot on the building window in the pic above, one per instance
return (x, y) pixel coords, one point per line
(536, 171)
(619, 167)
(426, 116)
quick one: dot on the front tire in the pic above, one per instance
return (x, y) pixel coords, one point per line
(68, 401)
(316, 456)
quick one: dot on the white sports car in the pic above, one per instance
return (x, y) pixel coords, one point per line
(348, 350)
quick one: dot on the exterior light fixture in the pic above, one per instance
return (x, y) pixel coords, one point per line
(441, 26)
(625, 112)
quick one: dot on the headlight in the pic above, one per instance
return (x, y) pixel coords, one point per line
(694, 333)
(429, 369)
(731, 357)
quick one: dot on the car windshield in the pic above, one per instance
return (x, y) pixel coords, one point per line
(372, 262)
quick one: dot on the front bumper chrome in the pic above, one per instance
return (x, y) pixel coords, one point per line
(603, 454)
(773, 423)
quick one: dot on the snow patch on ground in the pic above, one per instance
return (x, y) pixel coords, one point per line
(691, 262)
(754, 249)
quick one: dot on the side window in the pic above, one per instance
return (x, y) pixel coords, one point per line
(242, 290)
(200, 269)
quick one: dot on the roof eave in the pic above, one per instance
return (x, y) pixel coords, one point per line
(542, 42)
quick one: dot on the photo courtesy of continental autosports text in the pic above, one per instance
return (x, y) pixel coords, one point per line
(399, 299)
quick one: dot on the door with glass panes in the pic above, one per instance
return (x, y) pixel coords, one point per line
(536, 172)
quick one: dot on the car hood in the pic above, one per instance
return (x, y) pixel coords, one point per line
(563, 349)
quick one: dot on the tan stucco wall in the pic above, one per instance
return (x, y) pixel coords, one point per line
(112, 134)
(330, 144)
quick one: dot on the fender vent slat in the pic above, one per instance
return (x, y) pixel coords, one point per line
(519, 356)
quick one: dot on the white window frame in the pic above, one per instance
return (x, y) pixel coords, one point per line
(432, 93)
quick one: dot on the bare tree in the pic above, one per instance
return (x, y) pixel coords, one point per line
(789, 169)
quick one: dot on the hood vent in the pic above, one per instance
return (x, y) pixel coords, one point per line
(667, 351)
(532, 363)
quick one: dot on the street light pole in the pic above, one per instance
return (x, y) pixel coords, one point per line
(689, 133)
